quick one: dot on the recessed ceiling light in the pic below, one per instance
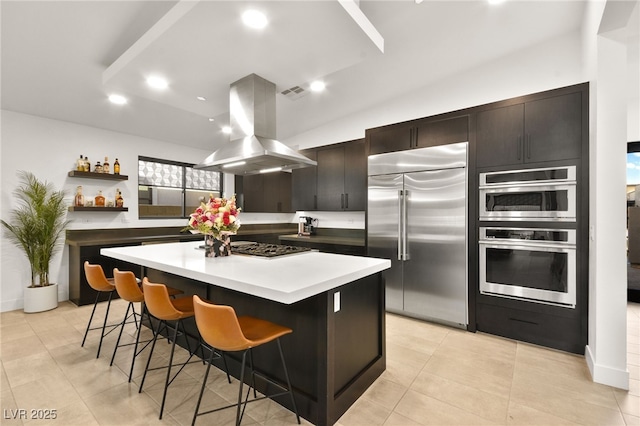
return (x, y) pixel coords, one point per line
(495, 1)
(254, 19)
(419, 1)
(226, 129)
(117, 99)
(157, 82)
(201, 98)
(212, 119)
(317, 86)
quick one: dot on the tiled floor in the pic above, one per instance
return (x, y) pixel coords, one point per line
(435, 375)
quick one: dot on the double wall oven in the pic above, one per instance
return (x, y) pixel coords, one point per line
(531, 253)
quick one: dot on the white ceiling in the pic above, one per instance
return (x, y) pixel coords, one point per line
(61, 59)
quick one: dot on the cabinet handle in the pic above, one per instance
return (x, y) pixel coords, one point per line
(342, 201)
(346, 201)
(519, 147)
(415, 137)
(529, 146)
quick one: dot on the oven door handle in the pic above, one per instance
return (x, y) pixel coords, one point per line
(520, 245)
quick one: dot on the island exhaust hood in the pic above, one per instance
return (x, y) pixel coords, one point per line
(252, 102)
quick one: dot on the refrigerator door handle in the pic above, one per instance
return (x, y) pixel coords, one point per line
(405, 219)
(400, 216)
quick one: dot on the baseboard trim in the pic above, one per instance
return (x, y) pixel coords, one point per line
(606, 375)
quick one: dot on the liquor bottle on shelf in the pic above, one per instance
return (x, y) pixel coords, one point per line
(87, 164)
(116, 167)
(119, 199)
(78, 200)
(80, 164)
(99, 200)
(98, 168)
(105, 165)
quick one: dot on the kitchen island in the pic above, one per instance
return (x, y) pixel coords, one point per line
(334, 304)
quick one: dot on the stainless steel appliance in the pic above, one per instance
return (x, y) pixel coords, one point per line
(417, 217)
(266, 250)
(307, 225)
(532, 264)
(531, 194)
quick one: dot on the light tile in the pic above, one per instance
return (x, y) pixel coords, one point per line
(426, 410)
(364, 412)
(484, 373)
(48, 392)
(484, 404)
(631, 420)
(20, 348)
(543, 394)
(396, 419)
(123, 405)
(15, 330)
(30, 368)
(385, 393)
(629, 404)
(523, 415)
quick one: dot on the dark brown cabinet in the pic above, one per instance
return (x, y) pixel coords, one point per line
(536, 131)
(342, 177)
(264, 193)
(418, 134)
(397, 137)
(303, 186)
(337, 183)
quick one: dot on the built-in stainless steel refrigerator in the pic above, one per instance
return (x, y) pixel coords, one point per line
(416, 217)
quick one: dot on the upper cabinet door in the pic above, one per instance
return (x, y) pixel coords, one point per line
(265, 193)
(499, 134)
(330, 185)
(355, 176)
(442, 132)
(536, 131)
(553, 128)
(304, 182)
(391, 138)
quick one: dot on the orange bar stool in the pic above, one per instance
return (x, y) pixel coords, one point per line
(129, 289)
(170, 313)
(100, 283)
(221, 328)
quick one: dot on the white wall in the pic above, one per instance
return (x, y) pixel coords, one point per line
(609, 69)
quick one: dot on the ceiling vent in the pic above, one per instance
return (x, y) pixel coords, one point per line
(294, 93)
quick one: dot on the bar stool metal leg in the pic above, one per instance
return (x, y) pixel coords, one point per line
(104, 324)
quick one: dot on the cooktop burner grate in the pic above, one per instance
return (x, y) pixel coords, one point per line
(266, 250)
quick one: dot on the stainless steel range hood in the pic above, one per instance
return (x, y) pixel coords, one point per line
(252, 102)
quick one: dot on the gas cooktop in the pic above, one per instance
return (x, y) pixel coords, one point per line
(265, 250)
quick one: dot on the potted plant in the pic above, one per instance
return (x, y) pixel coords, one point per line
(35, 227)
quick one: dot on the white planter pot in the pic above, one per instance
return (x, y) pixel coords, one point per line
(39, 299)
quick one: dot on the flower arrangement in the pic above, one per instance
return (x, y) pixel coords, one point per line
(215, 217)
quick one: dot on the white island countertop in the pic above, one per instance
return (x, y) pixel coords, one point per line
(286, 279)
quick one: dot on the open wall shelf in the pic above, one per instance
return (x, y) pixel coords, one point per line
(98, 209)
(92, 175)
